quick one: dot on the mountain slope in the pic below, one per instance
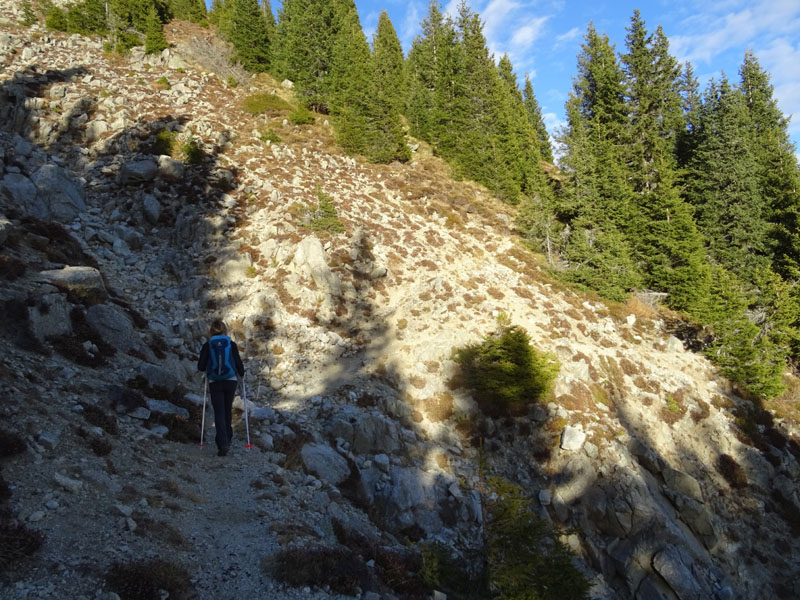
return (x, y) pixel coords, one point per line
(357, 423)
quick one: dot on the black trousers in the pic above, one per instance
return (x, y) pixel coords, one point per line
(222, 393)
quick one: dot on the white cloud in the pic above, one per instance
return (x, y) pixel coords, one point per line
(410, 25)
(711, 34)
(569, 36)
(782, 60)
(528, 33)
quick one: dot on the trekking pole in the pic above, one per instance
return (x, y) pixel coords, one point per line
(246, 423)
(203, 422)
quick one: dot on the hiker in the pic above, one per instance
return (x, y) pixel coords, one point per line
(220, 360)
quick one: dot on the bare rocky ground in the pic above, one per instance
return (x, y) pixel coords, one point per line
(348, 339)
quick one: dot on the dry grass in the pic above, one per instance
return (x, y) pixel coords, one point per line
(787, 405)
(439, 407)
(674, 408)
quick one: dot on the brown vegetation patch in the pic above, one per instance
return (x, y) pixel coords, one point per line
(674, 408)
(439, 407)
(702, 412)
(732, 471)
(417, 381)
(495, 293)
(628, 367)
(11, 267)
(647, 385)
(432, 366)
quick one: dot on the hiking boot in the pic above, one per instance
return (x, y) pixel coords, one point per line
(222, 452)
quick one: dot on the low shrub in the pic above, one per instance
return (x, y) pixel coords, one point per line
(504, 372)
(525, 558)
(258, 104)
(192, 152)
(325, 218)
(731, 471)
(163, 143)
(96, 416)
(11, 444)
(143, 580)
(163, 83)
(16, 543)
(301, 116)
(269, 135)
(11, 267)
(340, 569)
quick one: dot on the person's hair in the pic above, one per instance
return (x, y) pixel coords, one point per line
(218, 327)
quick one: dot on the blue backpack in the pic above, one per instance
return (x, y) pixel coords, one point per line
(219, 366)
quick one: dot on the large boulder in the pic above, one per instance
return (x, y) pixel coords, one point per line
(113, 326)
(50, 317)
(64, 198)
(85, 283)
(325, 463)
(138, 172)
(17, 191)
(374, 433)
(310, 257)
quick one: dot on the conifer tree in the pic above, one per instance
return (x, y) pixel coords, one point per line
(778, 174)
(520, 147)
(662, 231)
(269, 20)
(189, 10)
(389, 64)
(350, 98)
(434, 76)
(220, 15)
(248, 35)
(303, 51)
(686, 141)
(596, 204)
(154, 39)
(723, 184)
(537, 121)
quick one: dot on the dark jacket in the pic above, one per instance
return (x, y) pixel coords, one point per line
(202, 362)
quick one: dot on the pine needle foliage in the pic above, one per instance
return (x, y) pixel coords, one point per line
(526, 559)
(504, 372)
(154, 39)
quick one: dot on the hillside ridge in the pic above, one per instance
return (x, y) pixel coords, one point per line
(347, 338)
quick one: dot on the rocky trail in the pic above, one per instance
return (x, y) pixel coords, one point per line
(114, 255)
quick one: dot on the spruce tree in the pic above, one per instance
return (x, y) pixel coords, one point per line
(686, 141)
(778, 174)
(537, 121)
(434, 76)
(303, 51)
(662, 230)
(723, 184)
(389, 71)
(220, 15)
(189, 10)
(366, 119)
(248, 35)
(154, 39)
(596, 202)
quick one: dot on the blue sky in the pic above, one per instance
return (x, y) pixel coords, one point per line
(543, 38)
